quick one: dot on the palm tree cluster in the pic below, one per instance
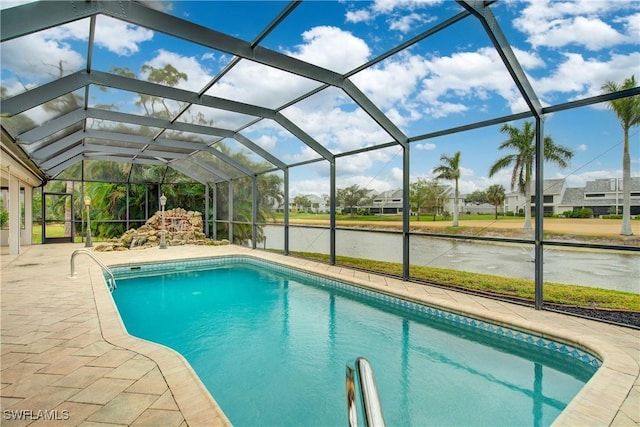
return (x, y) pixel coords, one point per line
(521, 141)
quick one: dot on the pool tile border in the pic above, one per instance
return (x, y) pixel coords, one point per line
(564, 349)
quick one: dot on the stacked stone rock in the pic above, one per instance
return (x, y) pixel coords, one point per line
(181, 227)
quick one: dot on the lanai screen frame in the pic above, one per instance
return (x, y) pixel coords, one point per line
(54, 158)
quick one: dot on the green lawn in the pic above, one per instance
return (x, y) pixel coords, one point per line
(53, 231)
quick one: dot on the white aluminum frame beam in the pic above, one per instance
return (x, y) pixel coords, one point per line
(55, 147)
(62, 157)
(64, 165)
(75, 81)
(168, 24)
(223, 176)
(52, 126)
(96, 148)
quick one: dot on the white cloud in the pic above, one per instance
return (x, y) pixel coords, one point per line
(387, 6)
(427, 146)
(591, 33)
(120, 37)
(466, 172)
(76, 30)
(396, 177)
(468, 186)
(306, 153)
(406, 23)
(332, 48)
(353, 165)
(401, 13)
(586, 76)
(268, 142)
(528, 60)
(401, 119)
(328, 47)
(318, 187)
(579, 180)
(218, 118)
(439, 109)
(632, 24)
(557, 24)
(208, 57)
(364, 181)
(466, 75)
(356, 16)
(393, 81)
(581, 147)
(335, 124)
(258, 84)
(37, 56)
(198, 76)
(502, 177)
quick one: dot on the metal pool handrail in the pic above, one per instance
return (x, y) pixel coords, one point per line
(112, 282)
(368, 392)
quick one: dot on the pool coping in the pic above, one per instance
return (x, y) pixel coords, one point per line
(598, 402)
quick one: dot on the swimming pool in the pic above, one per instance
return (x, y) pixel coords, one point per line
(271, 345)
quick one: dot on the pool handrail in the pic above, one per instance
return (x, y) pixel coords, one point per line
(368, 392)
(111, 283)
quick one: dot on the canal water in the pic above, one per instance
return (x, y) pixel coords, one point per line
(575, 266)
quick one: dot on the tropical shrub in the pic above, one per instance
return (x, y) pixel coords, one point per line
(4, 216)
(582, 213)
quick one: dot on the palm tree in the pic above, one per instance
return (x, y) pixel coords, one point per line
(495, 196)
(522, 141)
(450, 169)
(628, 112)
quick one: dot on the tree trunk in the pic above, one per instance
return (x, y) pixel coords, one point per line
(527, 206)
(455, 207)
(67, 210)
(626, 188)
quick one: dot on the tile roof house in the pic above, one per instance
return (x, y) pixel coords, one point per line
(602, 196)
(553, 193)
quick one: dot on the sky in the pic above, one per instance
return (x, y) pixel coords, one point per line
(568, 50)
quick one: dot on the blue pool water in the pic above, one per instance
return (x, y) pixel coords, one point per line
(271, 347)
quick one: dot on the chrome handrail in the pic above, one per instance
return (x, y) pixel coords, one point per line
(112, 283)
(368, 391)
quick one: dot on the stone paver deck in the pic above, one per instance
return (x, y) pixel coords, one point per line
(66, 359)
